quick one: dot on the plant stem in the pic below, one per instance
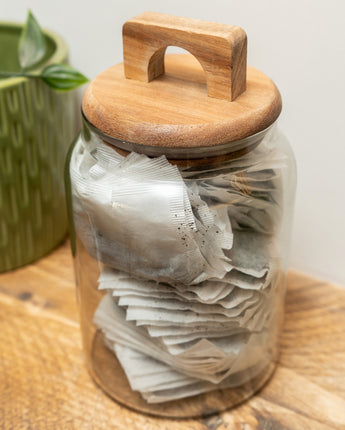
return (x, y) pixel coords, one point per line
(18, 75)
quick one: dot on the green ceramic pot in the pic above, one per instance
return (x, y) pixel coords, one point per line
(37, 125)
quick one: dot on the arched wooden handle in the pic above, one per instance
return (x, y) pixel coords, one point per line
(221, 50)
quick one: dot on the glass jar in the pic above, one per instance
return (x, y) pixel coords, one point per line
(181, 253)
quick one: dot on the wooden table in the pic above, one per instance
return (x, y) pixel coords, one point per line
(44, 383)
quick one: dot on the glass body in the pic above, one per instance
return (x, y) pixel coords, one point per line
(180, 269)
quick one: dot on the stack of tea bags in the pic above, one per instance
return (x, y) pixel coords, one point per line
(135, 214)
(189, 265)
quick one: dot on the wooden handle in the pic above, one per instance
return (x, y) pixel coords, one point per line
(221, 50)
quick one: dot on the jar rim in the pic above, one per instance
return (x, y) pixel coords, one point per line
(180, 153)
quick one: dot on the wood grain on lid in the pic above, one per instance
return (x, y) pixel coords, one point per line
(174, 109)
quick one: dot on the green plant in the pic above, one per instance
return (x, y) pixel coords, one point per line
(32, 49)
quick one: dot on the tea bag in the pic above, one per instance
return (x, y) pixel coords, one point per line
(195, 335)
(150, 304)
(147, 374)
(204, 292)
(114, 218)
(202, 386)
(248, 186)
(158, 382)
(251, 253)
(192, 330)
(246, 218)
(210, 361)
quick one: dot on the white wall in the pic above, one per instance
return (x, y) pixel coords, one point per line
(300, 44)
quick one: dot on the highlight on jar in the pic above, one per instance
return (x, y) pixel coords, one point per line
(180, 193)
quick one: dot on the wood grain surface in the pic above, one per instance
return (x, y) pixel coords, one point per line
(44, 383)
(174, 110)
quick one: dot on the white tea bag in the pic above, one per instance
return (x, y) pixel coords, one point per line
(179, 331)
(195, 335)
(117, 224)
(158, 382)
(147, 374)
(251, 253)
(206, 360)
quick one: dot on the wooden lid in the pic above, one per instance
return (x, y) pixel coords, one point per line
(182, 101)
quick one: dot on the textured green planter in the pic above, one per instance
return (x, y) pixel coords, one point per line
(37, 125)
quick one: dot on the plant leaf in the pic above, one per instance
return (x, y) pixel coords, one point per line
(32, 43)
(62, 77)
